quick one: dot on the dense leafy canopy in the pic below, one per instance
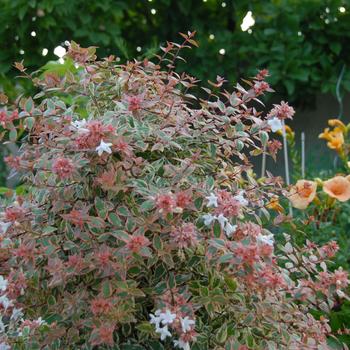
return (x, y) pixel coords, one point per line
(302, 43)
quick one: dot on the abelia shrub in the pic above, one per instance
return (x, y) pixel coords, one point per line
(142, 224)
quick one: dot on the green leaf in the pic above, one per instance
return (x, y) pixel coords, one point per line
(145, 327)
(4, 190)
(239, 145)
(96, 222)
(123, 211)
(147, 205)
(225, 258)
(217, 229)
(101, 208)
(157, 242)
(107, 288)
(264, 137)
(335, 47)
(29, 122)
(231, 283)
(212, 148)
(49, 229)
(221, 334)
(51, 300)
(13, 135)
(171, 281)
(114, 220)
(29, 105)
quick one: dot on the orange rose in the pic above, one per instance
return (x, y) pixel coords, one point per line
(338, 187)
(303, 193)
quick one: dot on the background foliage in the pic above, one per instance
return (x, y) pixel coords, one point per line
(302, 43)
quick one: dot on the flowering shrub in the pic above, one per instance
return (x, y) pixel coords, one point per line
(142, 225)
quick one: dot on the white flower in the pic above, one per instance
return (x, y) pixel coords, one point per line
(164, 332)
(182, 344)
(268, 239)
(240, 198)
(80, 125)
(16, 314)
(167, 317)
(5, 301)
(212, 200)
(40, 321)
(4, 226)
(4, 346)
(155, 319)
(208, 219)
(229, 229)
(186, 324)
(104, 147)
(275, 124)
(3, 283)
(222, 220)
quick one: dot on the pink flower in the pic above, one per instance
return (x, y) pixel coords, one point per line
(63, 167)
(183, 199)
(76, 262)
(14, 115)
(3, 118)
(13, 161)
(185, 236)
(104, 256)
(103, 335)
(249, 229)
(134, 102)
(340, 278)
(123, 147)
(96, 131)
(330, 248)
(260, 87)
(76, 217)
(165, 203)
(272, 279)
(282, 111)
(262, 74)
(228, 205)
(14, 214)
(25, 251)
(137, 242)
(249, 254)
(100, 306)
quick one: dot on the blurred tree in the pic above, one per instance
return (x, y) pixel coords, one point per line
(303, 43)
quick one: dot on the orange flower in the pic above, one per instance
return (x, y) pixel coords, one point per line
(274, 204)
(303, 193)
(335, 138)
(337, 123)
(338, 187)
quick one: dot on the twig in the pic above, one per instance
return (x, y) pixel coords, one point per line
(263, 163)
(286, 164)
(340, 102)
(303, 154)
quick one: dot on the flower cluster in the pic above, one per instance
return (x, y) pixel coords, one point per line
(336, 137)
(12, 324)
(184, 326)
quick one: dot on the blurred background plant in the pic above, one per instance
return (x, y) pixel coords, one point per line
(302, 43)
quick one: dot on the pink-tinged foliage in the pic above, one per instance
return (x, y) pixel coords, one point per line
(142, 222)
